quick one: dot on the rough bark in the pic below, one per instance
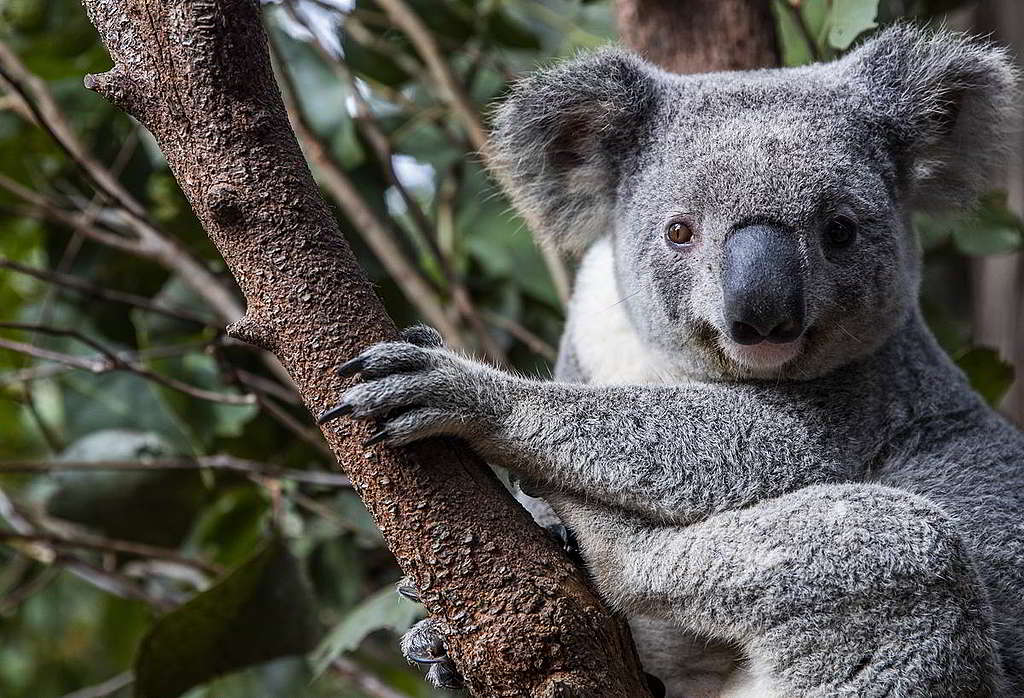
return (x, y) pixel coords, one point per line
(520, 619)
(698, 36)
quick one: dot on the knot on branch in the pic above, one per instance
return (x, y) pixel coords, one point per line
(225, 204)
(116, 87)
(250, 331)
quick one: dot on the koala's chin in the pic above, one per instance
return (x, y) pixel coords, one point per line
(764, 358)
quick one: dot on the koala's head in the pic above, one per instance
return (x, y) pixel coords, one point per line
(759, 220)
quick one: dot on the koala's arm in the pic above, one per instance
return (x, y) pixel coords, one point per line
(678, 452)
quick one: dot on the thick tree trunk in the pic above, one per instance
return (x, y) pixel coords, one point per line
(700, 36)
(520, 619)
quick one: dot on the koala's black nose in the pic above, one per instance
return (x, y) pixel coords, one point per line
(763, 284)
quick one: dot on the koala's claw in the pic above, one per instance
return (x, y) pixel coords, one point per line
(656, 686)
(423, 645)
(376, 438)
(407, 589)
(416, 389)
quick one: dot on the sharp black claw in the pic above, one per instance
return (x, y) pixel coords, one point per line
(333, 413)
(351, 367)
(410, 592)
(446, 676)
(425, 659)
(656, 686)
(376, 438)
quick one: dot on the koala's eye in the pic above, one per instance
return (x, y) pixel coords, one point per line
(679, 233)
(841, 231)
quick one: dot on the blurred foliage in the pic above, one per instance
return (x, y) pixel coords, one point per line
(297, 561)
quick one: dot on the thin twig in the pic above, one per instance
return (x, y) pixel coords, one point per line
(157, 244)
(13, 598)
(107, 580)
(285, 419)
(531, 340)
(50, 370)
(110, 361)
(109, 545)
(87, 288)
(104, 689)
(422, 39)
(215, 462)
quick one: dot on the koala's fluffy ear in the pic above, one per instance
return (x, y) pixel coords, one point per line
(563, 137)
(947, 104)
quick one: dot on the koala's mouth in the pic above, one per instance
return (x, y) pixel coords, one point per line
(764, 356)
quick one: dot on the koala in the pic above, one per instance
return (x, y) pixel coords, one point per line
(769, 465)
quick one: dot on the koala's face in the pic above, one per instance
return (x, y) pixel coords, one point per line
(759, 220)
(761, 231)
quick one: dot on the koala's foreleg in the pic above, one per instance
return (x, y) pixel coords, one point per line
(679, 453)
(855, 590)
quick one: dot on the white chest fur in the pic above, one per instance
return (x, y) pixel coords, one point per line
(606, 344)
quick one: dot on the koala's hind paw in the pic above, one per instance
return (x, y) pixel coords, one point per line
(423, 645)
(566, 539)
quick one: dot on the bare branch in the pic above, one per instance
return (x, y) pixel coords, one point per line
(87, 288)
(110, 361)
(108, 545)
(412, 26)
(102, 690)
(216, 462)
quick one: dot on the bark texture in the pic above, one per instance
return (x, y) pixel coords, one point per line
(520, 619)
(699, 36)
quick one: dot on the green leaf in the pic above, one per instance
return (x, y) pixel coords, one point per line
(795, 49)
(508, 32)
(988, 373)
(155, 507)
(991, 228)
(994, 229)
(385, 609)
(261, 611)
(850, 19)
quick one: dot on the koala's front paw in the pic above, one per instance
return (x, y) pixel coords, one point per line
(416, 388)
(424, 646)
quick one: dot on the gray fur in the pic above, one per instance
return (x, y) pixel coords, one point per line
(847, 522)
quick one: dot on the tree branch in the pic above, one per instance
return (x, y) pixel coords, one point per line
(108, 360)
(87, 288)
(218, 462)
(518, 618)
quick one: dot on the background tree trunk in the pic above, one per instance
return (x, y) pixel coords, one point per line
(699, 36)
(520, 619)
(997, 279)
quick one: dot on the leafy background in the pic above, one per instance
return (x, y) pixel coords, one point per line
(169, 519)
